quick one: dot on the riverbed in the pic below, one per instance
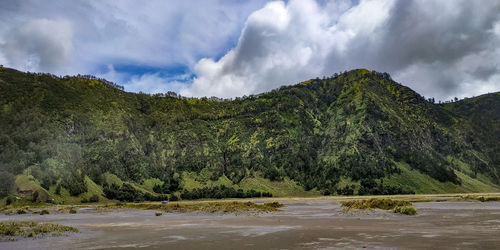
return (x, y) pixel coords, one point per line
(302, 224)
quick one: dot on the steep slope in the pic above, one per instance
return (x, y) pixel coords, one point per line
(358, 128)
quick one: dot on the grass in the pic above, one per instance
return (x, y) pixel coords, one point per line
(408, 210)
(11, 230)
(398, 206)
(385, 204)
(206, 207)
(424, 184)
(480, 198)
(283, 188)
(27, 183)
(274, 204)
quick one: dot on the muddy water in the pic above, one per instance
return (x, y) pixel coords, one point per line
(302, 224)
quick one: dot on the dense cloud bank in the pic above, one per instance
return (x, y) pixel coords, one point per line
(439, 48)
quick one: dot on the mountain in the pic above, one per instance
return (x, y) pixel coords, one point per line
(354, 133)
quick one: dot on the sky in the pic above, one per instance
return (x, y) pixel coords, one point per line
(229, 48)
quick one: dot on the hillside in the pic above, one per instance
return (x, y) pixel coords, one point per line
(355, 133)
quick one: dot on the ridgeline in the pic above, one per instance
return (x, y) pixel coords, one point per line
(77, 139)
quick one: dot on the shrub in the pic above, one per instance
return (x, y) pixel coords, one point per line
(21, 211)
(6, 183)
(221, 192)
(72, 210)
(58, 189)
(158, 213)
(173, 197)
(44, 212)
(75, 184)
(94, 198)
(124, 193)
(34, 198)
(408, 210)
(385, 204)
(9, 201)
(274, 204)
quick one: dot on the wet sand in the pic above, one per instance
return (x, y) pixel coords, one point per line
(303, 224)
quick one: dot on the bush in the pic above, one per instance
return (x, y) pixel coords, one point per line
(347, 190)
(385, 204)
(44, 212)
(158, 213)
(128, 193)
(370, 187)
(34, 198)
(173, 197)
(9, 200)
(274, 204)
(21, 211)
(58, 189)
(94, 198)
(72, 210)
(6, 183)
(408, 210)
(221, 192)
(75, 184)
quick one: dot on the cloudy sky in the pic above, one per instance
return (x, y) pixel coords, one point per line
(232, 48)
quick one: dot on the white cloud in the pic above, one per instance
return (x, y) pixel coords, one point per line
(439, 48)
(154, 33)
(429, 45)
(40, 44)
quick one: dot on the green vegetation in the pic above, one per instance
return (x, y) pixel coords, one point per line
(386, 204)
(44, 212)
(82, 139)
(397, 206)
(408, 210)
(11, 230)
(221, 192)
(274, 204)
(480, 198)
(206, 207)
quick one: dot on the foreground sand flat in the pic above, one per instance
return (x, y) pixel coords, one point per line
(304, 223)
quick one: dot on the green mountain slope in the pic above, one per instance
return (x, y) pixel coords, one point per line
(358, 132)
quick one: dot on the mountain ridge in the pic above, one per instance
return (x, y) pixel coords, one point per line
(351, 133)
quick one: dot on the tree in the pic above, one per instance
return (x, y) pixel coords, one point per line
(6, 183)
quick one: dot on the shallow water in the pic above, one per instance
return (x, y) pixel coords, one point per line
(302, 224)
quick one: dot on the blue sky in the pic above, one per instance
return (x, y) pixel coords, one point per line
(233, 48)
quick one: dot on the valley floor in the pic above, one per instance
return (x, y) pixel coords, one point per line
(442, 221)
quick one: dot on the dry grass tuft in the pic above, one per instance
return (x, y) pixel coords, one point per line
(398, 206)
(11, 230)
